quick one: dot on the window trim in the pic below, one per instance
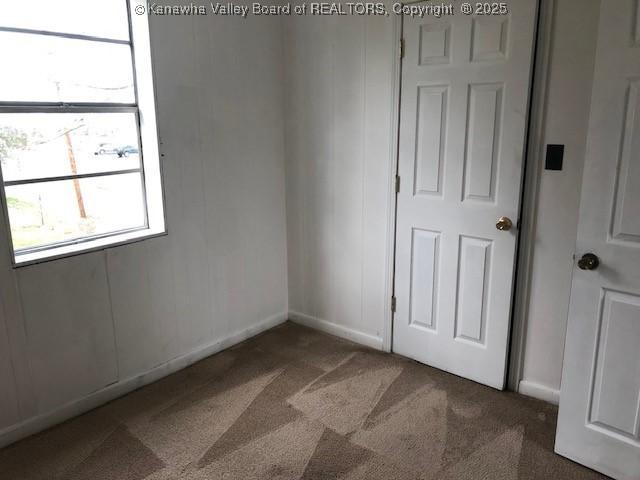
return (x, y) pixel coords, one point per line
(73, 36)
(145, 109)
(77, 176)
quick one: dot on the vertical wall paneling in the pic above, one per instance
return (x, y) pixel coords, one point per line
(9, 410)
(69, 330)
(338, 149)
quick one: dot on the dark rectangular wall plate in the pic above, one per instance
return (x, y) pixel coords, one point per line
(555, 157)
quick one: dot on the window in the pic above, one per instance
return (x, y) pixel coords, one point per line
(78, 142)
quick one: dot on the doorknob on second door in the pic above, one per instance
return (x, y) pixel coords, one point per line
(504, 224)
(589, 261)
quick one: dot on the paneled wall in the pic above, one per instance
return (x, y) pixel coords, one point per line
(70, 328)
(338, 148)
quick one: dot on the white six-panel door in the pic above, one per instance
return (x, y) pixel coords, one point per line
(599, 418)
(463, 115)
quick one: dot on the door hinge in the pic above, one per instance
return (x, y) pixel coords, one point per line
(402, 48)
(397, 183)
(393, 304)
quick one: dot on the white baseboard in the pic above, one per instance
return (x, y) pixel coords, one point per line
(115, 390)
(538, 391)
(337, 330)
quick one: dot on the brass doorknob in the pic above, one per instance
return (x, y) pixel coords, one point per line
(589, 261)
(504, 224)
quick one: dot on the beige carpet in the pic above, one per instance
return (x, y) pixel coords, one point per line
(297, 404)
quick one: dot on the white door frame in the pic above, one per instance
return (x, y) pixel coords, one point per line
(528, 206)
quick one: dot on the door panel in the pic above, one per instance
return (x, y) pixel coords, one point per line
(627, 221)
(483, 136)
(431, 135)
(599, 417)
(474, 267)
(490, 38)
(463, 112)
(615, 398)
(424, 278)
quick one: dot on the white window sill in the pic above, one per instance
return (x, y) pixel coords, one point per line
(102, 243)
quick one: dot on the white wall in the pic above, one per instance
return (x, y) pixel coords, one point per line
(566, 122)
(338, 148)
(83, 327)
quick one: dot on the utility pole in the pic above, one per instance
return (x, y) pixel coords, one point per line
(74, 167)
(74, 171)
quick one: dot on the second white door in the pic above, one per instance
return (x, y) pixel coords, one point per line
(464, 99)
(599, 417)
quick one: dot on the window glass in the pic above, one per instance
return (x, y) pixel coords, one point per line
(61, 211)
(98, 18)
(71, 157)
(42, 68)
(39, 145)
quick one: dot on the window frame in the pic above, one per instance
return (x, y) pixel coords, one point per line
(144, 108)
